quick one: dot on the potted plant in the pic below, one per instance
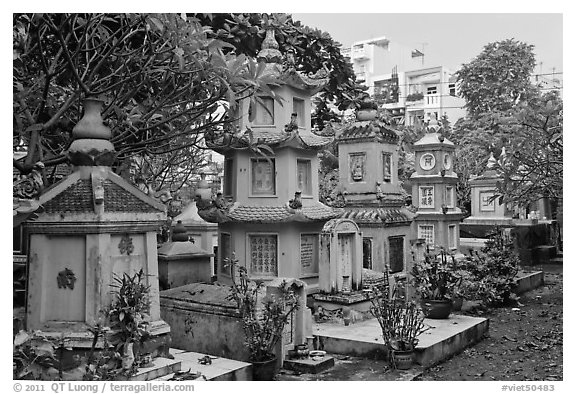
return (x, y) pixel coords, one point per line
(415, 96)
(263, 318)
(128, 317)
(401, 322)
(435, 281)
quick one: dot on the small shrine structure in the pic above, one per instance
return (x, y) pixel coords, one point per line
(204, 234)
(269, 214)
(94, 225)
(181, 261)
(437, 219)
(536, 235)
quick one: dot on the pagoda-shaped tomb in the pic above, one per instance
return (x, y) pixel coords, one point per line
(269, 215)
(437, 219)
(94, 226)
(536, 235)
(372, 195)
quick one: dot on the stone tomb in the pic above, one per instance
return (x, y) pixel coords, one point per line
(205, 320)
(181, 261)
(94, 226)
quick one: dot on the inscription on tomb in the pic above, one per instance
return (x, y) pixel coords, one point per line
(66, 279)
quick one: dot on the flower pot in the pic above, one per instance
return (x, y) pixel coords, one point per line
(437, 309)
(402, 359)
(264, 370)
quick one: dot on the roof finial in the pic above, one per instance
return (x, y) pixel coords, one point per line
(491, 162)
(269, 52)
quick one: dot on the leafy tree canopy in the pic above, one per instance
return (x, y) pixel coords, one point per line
(164, 78)
(498, 78)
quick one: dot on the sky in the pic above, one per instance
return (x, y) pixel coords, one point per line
(448, 39)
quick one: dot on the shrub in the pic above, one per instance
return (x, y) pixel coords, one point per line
(435, 277)
(493, 272)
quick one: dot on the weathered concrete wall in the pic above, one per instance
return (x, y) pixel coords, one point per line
(204, 331)
(180, 272)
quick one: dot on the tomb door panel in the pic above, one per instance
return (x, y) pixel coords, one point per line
(65, 297)
(345, 248)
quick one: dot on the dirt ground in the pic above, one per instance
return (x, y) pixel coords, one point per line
(524, 343)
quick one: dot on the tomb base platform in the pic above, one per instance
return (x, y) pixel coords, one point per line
(356, 301)
(309, 365)
(443, 339)
(79, 337)
(219, 368)
(526, 281)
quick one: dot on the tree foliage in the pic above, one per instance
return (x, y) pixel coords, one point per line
(506, 111)
(313, 48)
(498, 78)
(165, 78)
(162, 77)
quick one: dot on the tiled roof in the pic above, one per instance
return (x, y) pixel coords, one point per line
(78, 198)
(270, 214)
(271, 137)
(371, 129)
(273, 214)
(431, 139)
(377, 215)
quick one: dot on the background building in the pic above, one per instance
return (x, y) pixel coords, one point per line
(400, 81)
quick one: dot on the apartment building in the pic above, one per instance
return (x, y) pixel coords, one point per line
(400, 81)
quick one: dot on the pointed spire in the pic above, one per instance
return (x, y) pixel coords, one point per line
(491, 162)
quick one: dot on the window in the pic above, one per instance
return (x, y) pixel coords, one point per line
(426, 197)
(298, 109)
(396, 253)
(449, 196)
(263, 177)
(432, 90)
(367, 253)
(426, 232)
(309, 254)
(262, 113)
(452, 89)
(225, 252)
(452, 236)
(304, 174)
(263, 250)
(228, 177)
(387, 166)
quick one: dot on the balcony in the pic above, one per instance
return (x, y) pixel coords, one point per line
(414, 99)
(359, 52)
(346, 52)
(432, 100)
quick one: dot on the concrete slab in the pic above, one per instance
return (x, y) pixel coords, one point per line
(221, 369)
(528, 281)
(161, 367)
(308, 365)
(444, 338)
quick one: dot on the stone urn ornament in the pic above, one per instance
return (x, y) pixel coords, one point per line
(91, 145)
(368, 110)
